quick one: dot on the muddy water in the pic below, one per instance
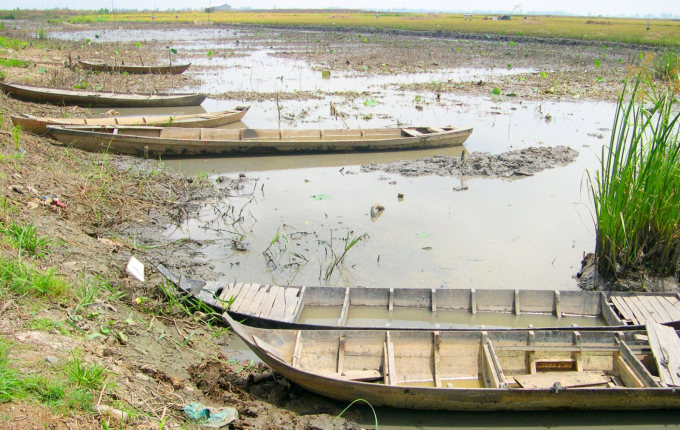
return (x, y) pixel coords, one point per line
(404, 318)
(529, 233)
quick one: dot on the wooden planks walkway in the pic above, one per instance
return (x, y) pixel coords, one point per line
(665, 345)
(263, 301)
(641, 309)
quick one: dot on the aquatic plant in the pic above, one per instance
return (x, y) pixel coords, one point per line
(636, 191)
(666, 65)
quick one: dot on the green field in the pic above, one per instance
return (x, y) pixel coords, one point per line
(661, 33)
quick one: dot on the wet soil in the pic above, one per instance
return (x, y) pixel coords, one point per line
(513, 164)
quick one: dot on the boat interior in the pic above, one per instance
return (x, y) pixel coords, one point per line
(541, 359)
(439, 308)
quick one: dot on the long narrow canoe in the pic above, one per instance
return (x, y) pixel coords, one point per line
(38, 125)
(272, 306)
(473, 370)
(176, 69)
(164, 141)
(63, 97)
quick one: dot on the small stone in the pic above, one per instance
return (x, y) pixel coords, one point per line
(51, 359)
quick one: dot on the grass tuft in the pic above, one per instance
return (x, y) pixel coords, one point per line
(636, 192)
(13, 62)
(10, 380)
(25, 237)
(19, 278)
(83, 375)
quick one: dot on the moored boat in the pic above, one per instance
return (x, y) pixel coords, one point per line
(473, 370)
(164, 141)
(64, 97)
(310, 307)
(134, 69)
(38, 125)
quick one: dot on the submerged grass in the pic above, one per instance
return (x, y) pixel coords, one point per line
(636, 192)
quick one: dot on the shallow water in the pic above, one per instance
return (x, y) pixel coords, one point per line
(361, 316)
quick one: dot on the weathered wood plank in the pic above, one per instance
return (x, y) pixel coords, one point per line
(240, 296)
(635, 364)
(517, 305)
(672, 310)
(248, 298)
(268, 301)
(341, 354)
(433, 300)
(291, 296)
(650, 309)
(390, 304)
(558, 304)
(256, 303)
(342, 321)
(641, 316)
(355, 375)
(665, 346)
(231, 292)
(279, 306)
(473, 301)
(624, 310)
(300, 305)
(297, 350)
(653, 302)
(607, 311)
(628, 376)
(226, 294)
(566, 379)
(436, 342)
(270, 350)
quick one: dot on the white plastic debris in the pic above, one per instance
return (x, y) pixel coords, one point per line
(135, 268)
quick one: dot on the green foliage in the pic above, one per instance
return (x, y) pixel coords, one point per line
(48, 325)
(544, 75)
(25, 237)
(496, 91)
(81, 85)
(10, 380)
(16, 136)
(597, 63)
(84, 375)
(13, 62)
(635, 192)
(42, 34)
(19, 278)
(351, 404)
(666, 65)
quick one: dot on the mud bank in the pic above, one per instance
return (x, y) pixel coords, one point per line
(512, 164)
(590, 280)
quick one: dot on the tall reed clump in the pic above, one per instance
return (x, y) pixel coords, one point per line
(636, 193)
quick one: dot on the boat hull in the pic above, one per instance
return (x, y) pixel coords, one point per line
(135, 69)
(152, 146)
(92, 99)
(448, 399)
(38, 125)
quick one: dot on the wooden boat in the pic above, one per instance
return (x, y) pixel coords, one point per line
(97, 66)
(473, 370)
(163, 141)
(63, 97)
(38, 125)
(272, 306)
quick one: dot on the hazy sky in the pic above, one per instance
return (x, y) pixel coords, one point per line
(599, 7)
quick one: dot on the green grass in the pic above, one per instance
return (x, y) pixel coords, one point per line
(47, 325)
(13, 62)
(82, 375)
(666, 64)
(10, 379)
(636, 192)
(662, 33)
(24, 236)
(19, 278)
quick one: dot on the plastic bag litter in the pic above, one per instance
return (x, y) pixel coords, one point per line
(213, 417)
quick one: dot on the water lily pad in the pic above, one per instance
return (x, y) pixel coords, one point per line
(321, 197)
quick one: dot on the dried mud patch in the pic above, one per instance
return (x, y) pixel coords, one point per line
(512, 164)
(590, 280)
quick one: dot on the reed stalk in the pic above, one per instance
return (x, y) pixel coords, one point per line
(636, 192)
